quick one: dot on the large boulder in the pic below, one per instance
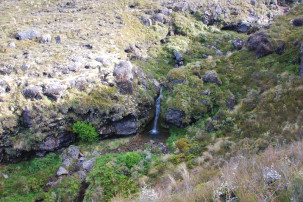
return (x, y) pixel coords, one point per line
(54, 91)
(28, 35)
(212, 14)
(127, 126)
(259, 43)
(298, 22)
(32, 92)
(175, 117)
(212, 77)
(124, 74)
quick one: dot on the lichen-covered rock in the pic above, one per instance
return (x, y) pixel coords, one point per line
(11, 45)
(54, 91)
(231, 101)
(259, 43)
(159, 17)
(212, 77)
(46, 38)
(124, 74)
(4, 87)
(147, 21)
(238, 43)
(175, 117)
(62, 171)
(88, 164)
(28, 35)
(32, 92)
(179, 60)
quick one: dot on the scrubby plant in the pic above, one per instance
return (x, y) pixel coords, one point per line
(86, 131)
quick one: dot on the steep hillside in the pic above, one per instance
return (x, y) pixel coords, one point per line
(76, 74)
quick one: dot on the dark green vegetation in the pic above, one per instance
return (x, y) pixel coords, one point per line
(117, 174)
(26, 181)
(86, 131)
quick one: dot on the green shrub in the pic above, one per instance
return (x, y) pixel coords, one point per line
(130, 159)
(86, 132)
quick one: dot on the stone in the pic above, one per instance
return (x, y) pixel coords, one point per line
(219, 53)
(253, 2)
(179, 60)
(54, 91)
(147, 21)
(298, 22)
(259, 43)
(6, 70)
(204, 56)
(28, 35)
(182, 7)
(212, 77)
(124, 75)
(159, 17)
(46, 38)
(62, 171)
(4, 87)
(11, 45)
(129, 125)
(243, 27)
(238, 43)
(231, 101)
(74, 66)
(280, 48)
(27, 116)
(26, 67)
(175, 117)
(88, 165)
(166, 11)
(32, 92)
(58, 39)
(73, 152)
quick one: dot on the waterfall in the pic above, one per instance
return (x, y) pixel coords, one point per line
(158, 108)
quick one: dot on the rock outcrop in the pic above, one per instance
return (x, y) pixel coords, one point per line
(260, 44)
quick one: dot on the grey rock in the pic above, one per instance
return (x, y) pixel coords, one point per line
(243, 27)
(231, 101)
(167, 11)
(26, 67)
(159, 17)
(204, 56)
(298, 22)
(238, 43)
(219, 53)
(124, 74)
(4, 87)
(58, 39)
(67, 162)
(253, 2)
(74, 66)
(81, 175)
(259, 43)
(54, 91)
(182, 7)
(179, 60)
(46, 38)
(175, 117)
(32, 92)
(280, 48)
(27, 118)
(6, 70)
(212, 77)
(62, 171)
(129, 125)
(11, 45)
(28, 35)
(88, 165)
(147, 21)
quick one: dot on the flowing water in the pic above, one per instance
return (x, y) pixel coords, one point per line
(155, 131)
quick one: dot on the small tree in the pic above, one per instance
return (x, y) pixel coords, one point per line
(86, 132)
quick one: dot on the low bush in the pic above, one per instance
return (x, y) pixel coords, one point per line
(86, 131)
